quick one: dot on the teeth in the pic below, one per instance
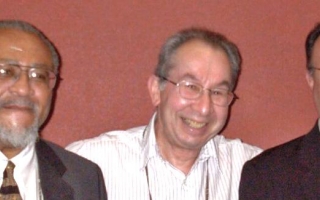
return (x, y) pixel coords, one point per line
(194, 124)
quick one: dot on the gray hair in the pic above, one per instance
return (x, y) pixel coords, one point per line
(29, 28)
(310, 41)
(213, 39)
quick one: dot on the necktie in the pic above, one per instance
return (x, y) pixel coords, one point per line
(9, 189)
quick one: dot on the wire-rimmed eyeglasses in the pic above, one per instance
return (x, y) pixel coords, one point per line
(38, 76)
(190, 90)
(315, 68)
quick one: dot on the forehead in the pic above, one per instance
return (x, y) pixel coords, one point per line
(201, 61)
(25, 48)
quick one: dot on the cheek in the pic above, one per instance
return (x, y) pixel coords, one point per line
(172, 99)
(316, 91)
(177, 103)
(316, 94)
(43, 100)
(3, 89)
(316, 85)
(221, 113)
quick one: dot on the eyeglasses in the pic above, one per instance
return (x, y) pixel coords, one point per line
(189, 90)
(10, 73)
(315, 68)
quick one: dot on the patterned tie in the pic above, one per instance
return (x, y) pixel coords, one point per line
(9, 189)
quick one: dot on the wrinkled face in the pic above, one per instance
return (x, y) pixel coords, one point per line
(190, 124)
(22, 104)
(314, 79)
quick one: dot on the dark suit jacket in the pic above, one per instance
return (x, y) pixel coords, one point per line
(288, 171)
(65, 175)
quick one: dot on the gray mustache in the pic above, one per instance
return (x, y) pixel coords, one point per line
(23, 102)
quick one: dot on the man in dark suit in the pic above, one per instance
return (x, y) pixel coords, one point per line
(291, 170)
(33, 168)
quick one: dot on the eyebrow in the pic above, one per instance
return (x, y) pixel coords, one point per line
(193, 78)
(224, 83)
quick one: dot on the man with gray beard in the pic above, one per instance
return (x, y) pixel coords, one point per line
(33, 168)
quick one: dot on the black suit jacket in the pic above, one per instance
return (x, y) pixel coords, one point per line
(288, 171)
(67, 176)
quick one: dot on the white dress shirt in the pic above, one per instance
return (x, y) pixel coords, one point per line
(25, 172)
(124, 157)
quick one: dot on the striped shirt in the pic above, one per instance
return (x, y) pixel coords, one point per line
(125, 156)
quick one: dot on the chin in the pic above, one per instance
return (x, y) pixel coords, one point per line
(19, 137)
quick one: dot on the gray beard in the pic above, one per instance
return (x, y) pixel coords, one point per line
(18, 137)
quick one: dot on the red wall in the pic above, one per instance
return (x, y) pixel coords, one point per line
(109, 48)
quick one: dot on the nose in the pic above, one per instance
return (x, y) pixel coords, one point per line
(204, 103)
(21, 86)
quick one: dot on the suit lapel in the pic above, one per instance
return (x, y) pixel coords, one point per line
(51, 170)
(309, 160)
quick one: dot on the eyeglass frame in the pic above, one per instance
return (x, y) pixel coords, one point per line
(29, 70)
(230, 94)
(315, 68)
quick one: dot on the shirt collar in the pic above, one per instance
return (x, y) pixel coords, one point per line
(149, 144)
(23, 158)
(24, 162)
(211, 150)
(150, 148)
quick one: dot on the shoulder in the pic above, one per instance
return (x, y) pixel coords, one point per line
(279, 155)
(289, 152)
(107, 141)
(84, 177)
(235, 147)
(277, 164)
(69, 159)
(274, 173)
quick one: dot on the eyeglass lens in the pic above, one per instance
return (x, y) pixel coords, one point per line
(9, 73)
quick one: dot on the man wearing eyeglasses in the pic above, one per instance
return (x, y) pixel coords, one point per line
(290, 170)
(179, 154)
(31, 168)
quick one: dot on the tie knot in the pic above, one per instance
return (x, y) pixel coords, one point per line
(9, 170)
(10, 165)
(9, 188)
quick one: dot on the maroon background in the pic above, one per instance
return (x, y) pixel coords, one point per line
(109, 48)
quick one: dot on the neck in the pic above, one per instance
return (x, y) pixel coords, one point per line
(181, 159)
(9, 152)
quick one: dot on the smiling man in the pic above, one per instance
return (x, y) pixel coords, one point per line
(179, 154)
(33, 168)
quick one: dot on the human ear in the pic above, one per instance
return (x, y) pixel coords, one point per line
(154, 89)
(310, 79)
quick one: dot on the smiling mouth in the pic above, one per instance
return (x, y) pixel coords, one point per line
(17, 107)
(20, 104)
(194, 124)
